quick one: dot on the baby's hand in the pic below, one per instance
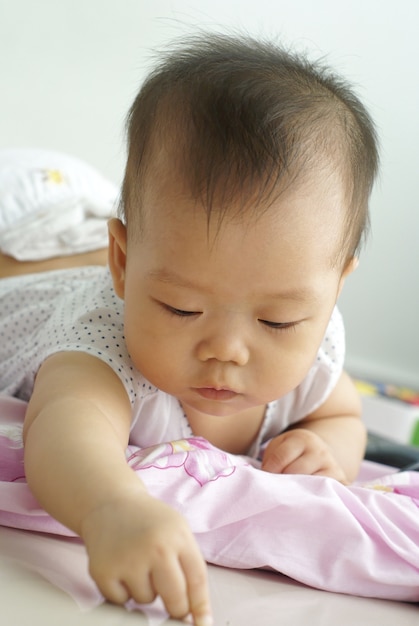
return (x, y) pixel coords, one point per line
(300, 451)
(141, 548)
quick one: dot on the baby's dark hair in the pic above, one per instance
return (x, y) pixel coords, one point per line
(241, 118)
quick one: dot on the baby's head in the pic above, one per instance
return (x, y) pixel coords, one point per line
(245, 200)
(236, 123)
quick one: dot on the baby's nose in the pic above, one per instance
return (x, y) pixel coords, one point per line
(226, 344)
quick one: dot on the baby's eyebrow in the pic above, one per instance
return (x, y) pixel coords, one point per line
(170, 277)
(298, 294)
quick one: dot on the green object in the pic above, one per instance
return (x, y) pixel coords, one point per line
(415, 434)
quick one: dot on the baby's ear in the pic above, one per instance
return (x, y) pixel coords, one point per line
(117, 254)
(350, 267)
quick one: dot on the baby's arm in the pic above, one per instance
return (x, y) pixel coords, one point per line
(76, 431)
(329, 442)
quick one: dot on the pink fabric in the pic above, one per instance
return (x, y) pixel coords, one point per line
(361, 540)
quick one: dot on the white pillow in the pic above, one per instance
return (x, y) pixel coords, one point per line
(52, 204)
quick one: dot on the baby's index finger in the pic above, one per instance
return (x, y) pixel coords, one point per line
(200, 606)
(195, 571)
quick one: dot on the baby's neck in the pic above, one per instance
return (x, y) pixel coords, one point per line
(234, 433)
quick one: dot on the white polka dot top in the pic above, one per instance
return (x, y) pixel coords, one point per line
(78, 310)
(41, 314)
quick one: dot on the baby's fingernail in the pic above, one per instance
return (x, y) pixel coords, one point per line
(204, 620)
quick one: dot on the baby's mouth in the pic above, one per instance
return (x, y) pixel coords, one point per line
(211, 393)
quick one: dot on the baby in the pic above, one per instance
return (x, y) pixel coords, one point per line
(244, 203)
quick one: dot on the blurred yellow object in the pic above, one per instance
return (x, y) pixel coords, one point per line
(366, 389)
(404, 394)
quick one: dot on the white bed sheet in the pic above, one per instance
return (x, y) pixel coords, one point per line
(240, 598)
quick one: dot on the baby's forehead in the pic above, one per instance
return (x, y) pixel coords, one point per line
(311, 207)
(181, 249)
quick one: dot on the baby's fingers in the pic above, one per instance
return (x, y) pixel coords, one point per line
(169, 583)
(281, 453)
(138, 586)
(180, 581)
(195, 571)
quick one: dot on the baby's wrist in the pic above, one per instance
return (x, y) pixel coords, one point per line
(106, 508)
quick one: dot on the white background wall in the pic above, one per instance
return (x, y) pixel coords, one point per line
(69, 70)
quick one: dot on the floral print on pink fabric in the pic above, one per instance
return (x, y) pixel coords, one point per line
(199, 459)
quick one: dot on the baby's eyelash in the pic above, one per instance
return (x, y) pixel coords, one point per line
(179, 312)
(274, 326)
(279, 325)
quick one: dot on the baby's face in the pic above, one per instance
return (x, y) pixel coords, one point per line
(230, 319)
